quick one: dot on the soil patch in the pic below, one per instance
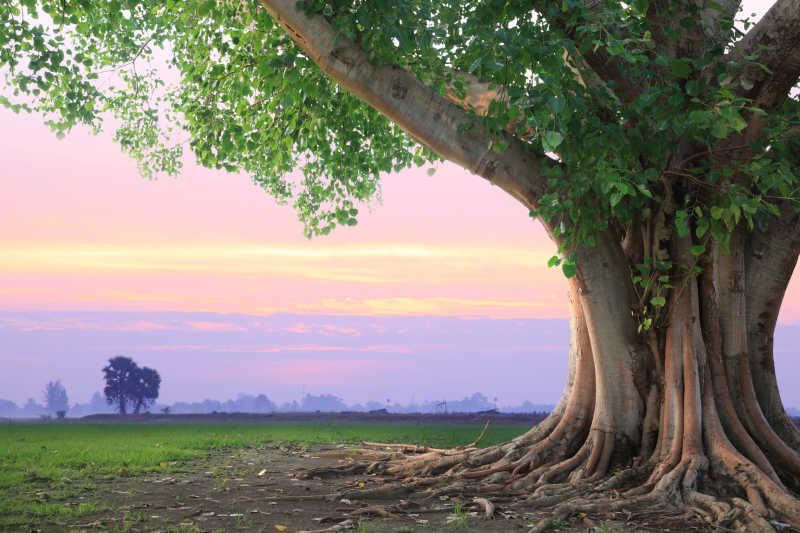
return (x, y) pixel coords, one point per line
(255, 490)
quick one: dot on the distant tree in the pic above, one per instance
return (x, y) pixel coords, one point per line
(98, 403)
(127, 385)
(146, 387)
(55, 397)
(32, 408)
(262, 404)
(119, 375)
(8, 408)
(323, 402)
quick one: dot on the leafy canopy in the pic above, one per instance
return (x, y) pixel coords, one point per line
(251, 101)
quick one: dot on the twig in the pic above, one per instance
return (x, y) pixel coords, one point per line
(483, 432)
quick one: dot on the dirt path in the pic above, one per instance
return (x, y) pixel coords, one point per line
(254, 490)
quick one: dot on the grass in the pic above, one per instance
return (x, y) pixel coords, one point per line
(46, 468)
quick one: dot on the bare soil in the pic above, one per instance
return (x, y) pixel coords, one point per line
(255, 490)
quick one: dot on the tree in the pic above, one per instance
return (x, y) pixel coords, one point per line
(656, 142)
(128, 385)
(146, 388)
(55, 398)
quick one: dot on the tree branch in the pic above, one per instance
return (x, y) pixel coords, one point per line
(775, 40)
(421, 111)
(722, 9)
(607, 67)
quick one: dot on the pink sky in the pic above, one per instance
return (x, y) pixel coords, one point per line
(80, 230)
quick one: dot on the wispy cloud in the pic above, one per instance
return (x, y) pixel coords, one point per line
(442, 305)
(323, 329)
(216, 326)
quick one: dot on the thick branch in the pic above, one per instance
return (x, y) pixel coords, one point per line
(775, 40)
(714, 12)
(421, 111)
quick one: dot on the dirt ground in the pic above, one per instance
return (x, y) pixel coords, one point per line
(256, 490)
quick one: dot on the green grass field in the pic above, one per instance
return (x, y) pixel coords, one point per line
(42, 465)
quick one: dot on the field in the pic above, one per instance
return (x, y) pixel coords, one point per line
(219, 477)
(73, 476)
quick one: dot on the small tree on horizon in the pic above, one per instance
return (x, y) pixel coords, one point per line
(146, 387)
(55, 397)
(127, 385)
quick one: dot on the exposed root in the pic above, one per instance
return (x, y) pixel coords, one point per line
(336, 471)
(487, 506)
(406, 448)
(673, 444)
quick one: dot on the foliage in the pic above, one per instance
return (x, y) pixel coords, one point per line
(252, 102)
(128, 385)
(55, 397)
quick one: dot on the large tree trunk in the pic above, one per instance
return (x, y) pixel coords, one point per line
(683, 413)
(679, 417)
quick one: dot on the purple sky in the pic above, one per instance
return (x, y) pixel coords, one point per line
(440, 291)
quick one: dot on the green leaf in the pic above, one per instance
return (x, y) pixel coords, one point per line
(556, 104)
(499, 147)
(206, 7)
(551, 141)
(554, 261)
(475, 64)
(641, 6)
(680, 68)
(697, 249)
(702, 227)
(658, 301)
(569, 269)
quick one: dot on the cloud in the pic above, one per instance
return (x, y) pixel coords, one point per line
(216, 326)
(321, 329)
(247, 348)
(547, 307)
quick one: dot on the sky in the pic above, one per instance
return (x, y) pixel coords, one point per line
(206, 279)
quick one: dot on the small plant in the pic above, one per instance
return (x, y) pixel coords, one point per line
(459, 515)
(559, 523)
(364, 527)
(603, 529)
